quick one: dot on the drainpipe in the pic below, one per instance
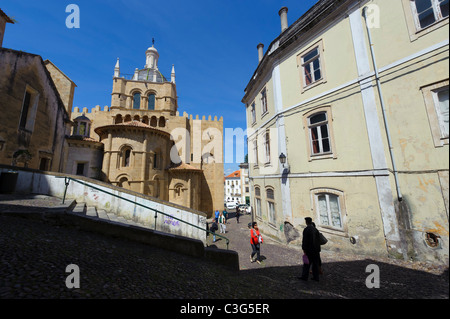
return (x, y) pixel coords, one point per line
(377, 78)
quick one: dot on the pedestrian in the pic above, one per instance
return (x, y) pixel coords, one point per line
(213, 230)
(225, 214)
(320, 260)
(238, 214)
(222, 223)
(216, 216)
(255, 241)
(311, 248)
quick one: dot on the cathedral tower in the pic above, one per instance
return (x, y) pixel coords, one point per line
(145, 90)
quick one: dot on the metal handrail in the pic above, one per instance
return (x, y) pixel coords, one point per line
(68, 179)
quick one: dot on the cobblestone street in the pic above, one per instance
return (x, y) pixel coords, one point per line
(34, 255)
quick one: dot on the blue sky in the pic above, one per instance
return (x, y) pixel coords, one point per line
(211, 43)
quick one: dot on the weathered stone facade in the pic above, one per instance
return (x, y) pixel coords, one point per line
(34, 120)
(151, 149)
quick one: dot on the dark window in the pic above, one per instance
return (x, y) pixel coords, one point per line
(80, 169)
(136, 101)
(155, 161)
(43, 165)
(25, 109)
(319, 135)
(126, 162)
(151, 101)
(430, 11)
(311, 66)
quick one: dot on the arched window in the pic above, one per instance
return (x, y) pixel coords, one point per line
(153, 121)
(136, 101)
(118, 119)
(162, 121)
(123, 182)
(319, 133)
(156, 187)
(155, 161)
(329, 209)
(258, 202)
(270, 197)
(125, 154)
(178, 190)
(151, 101)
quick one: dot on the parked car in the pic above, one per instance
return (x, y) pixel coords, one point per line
(244, 208)
(230, 205)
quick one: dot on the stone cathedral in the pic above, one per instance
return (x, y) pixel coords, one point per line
(143, 144)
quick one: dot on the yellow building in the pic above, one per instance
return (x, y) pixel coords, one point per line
(143, 144)
(354, 97)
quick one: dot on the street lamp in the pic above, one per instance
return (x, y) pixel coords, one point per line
(284, 165)
(282, 159)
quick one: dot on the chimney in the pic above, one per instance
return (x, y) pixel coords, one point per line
(260, 48)
(283, 16)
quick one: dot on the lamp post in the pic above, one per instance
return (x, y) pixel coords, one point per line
(282, 159)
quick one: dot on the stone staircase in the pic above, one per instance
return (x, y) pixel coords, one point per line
(81, 209)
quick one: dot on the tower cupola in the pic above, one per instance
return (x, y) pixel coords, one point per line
(152, 58)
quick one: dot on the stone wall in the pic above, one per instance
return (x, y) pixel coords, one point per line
(116, 200)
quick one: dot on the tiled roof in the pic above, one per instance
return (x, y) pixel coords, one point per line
(82, 138)
(184, 166)
(235, 174)
(101, 129)
(134, 123)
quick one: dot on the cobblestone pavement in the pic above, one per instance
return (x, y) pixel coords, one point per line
(34, 255)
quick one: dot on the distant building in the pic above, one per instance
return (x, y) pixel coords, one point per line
(245, 183)
(233, 191)
(353, 96)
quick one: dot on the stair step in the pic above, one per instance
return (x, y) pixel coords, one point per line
(91, 211)
(133, 223)
(112, 217)
(102, 214)
(122, 220)
(80, 209)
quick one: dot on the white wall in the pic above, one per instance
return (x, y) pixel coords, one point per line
(54, 185)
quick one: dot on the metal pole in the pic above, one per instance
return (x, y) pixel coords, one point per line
(383, 109)
(66, 181)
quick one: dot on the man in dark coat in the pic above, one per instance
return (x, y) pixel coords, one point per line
(311, 247)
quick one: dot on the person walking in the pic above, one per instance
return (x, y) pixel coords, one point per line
(222, 223)
(238, 214)
(216, 216)
(320, 260)
(311, 248)
(225, 214)
(255, 241)
(213, 230)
